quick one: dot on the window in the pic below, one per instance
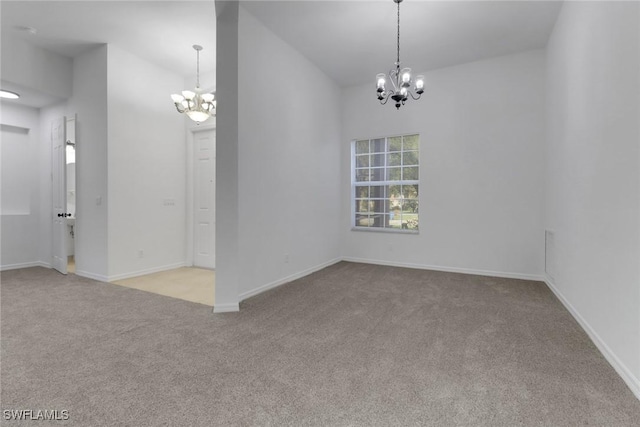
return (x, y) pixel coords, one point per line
(385, 177)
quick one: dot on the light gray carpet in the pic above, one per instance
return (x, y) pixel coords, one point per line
(351, 345)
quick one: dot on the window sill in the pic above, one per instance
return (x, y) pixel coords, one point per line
(385, 230)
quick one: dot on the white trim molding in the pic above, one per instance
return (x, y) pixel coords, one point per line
(243, 296)
(143, 272)
(226, 308)
(92, 276)
(24, 265)
(627, 376)
(507, 275)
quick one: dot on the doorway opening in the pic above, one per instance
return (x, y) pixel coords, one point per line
(63, 188)
(70, 236)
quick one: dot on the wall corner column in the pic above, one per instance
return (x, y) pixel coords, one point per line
(227, 224)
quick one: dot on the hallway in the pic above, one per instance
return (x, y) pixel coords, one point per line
(186, 283)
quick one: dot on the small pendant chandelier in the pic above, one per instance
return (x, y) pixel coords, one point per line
(401, 80)
(198, 106)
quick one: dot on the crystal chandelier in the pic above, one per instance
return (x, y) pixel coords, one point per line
(198, 106)
(401, 80)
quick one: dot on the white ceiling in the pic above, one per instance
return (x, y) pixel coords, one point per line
(160, 31)
(29, 97)
(351, 41)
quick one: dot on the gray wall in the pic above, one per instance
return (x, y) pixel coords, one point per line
(593, 174)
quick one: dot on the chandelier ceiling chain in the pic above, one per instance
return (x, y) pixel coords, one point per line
(398, 60)
(401, 80)
(198, 49)
(198, 106)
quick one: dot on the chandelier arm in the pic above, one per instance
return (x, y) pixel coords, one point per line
(415, 98)
(386, 99)
(394, 77)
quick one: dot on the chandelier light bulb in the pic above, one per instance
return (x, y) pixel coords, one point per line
(198, 116)
(406, 75)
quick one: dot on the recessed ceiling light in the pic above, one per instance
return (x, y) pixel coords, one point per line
(26, 29)
(8, 94)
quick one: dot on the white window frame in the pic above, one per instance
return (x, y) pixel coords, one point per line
(386, 182)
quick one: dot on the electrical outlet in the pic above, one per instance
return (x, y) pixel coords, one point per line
(169, 202)
(286, 258)
(140, 253)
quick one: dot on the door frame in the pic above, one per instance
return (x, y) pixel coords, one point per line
(190, 200)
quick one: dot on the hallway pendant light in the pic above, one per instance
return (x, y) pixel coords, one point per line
(198, 106)
(401, 80)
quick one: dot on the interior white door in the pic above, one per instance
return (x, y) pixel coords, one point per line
(59, 189)
(204, 172)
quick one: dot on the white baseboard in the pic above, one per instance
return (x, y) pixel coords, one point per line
(287, 279)
(490, 273)
(129, 275)
(632, 382)
(24, 265)
(226, 308)
(308, 271)
(93, 276)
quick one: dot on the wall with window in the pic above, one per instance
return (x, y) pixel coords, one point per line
(481, 131)
(593, 174)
